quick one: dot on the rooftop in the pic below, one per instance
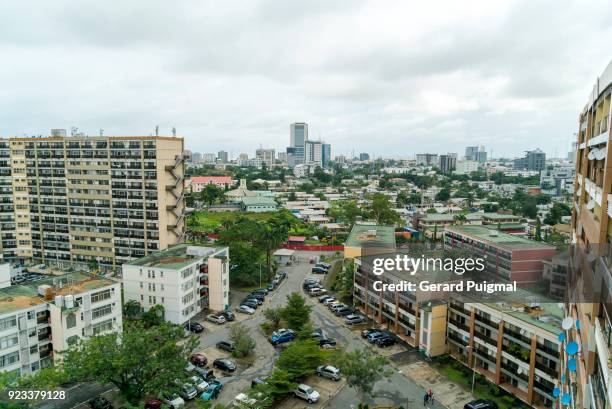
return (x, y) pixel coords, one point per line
(500, 239)
(258, 200)
(173, 258)
(17, 297)
(366, 235)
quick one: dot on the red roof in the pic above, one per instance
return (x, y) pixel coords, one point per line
(297, 238)
(211, 179)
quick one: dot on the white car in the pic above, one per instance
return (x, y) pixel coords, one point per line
(317, 291)
(216, 318)
(329, 301)
(173, 400)
(200, 384)
(245, 309)
(242, 400)
(330, 372)
(305, 392)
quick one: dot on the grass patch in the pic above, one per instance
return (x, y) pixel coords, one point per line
(208, 221)
(483, 389)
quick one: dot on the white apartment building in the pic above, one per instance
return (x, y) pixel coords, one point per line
(465, 167)
(41, 319)
(313, 153)
(184, 279)
(301, 171)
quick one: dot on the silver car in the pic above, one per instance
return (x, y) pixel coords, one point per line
(329, 372)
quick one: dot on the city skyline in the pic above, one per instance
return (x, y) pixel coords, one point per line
(488, 83)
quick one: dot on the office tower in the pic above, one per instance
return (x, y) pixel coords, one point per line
(448, 162)
(326, 154)
(243, 156)
(313, 153)
(364, 156)
(223, 157)
(88, 201)
(471, 153)
(267, 156)
(481, 155)
(465, 167)
(590, 285)
(427, 159)
(533, 160)
(297, 141)
(209, 158)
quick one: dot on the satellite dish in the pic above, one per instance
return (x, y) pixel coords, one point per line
(571, 365)
(577, 324)
(562, 336)
(556, 392)
(567, 323)
(566, 399)
(519, 371)
(572, 348)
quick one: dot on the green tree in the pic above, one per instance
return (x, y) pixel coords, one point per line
(274, 317)
(538, 230)
(362, 368)
(296, 313)
(138, 361)
(380, 210)
(557, 211)
(277, 386)
(211, 193)
(443, 195)
(154, 316)
(244, 343)
(345, 211)
(132, 309)
(301, 358)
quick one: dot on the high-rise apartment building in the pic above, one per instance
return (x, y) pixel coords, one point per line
(267, 156)
(590, 284)
(427, 159)
(313, 153)
(297, 141)
(364, 156)
(81, 200)
(476, 153)
(325, 154)
(223, 157)
(448, 162)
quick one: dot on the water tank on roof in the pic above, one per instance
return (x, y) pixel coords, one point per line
(198, 251)
(42, 289)
(59, 301)
(69, 300)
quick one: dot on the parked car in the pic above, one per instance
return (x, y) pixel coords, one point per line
(328, 371)
(327, 343)
(481, 404)
(199, 383)
(334, 307)
(305, 392)
(319, 270)
(195, 327)
(250, 303)
(354, 319)
(224, 364)
(260, 380)
(229, 316)
(216, 318)
(206, 374)
(376, 335)
(321, 264)
(282, 275)
(226, 346)
(271, 287)
(343, 312)
(173, 400)
(385, 341)
(213, 390)
(257, 301)
(153, 404)
(242, 400)
(258, 296)
(262, 290)
(316, 291)
(245, 309)
(310, 286)
(329, 301)
(187, 391)
(99, 402)
(368, 331)
(198, 360)
(324, 297)
(282, 336)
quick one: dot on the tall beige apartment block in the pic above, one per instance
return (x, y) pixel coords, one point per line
(90, 200)
(590, 295)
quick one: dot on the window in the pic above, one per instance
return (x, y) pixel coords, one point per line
(141, 285)
(9, 359)
(8, 322)
(70, 320)
(31, 315)
(100, 296)
(102, 327)
(8, 341)
(34, 349)
(101, 311)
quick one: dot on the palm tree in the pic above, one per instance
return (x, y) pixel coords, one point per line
(460, 218)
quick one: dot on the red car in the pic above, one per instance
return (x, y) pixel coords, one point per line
(198, 360)
(153, 404)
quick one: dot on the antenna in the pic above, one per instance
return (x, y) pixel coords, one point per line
(74, 130)
(101, 132)
(156, 130)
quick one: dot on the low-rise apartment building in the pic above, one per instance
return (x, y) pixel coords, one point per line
(184, 279)
(195, 184)
(507, 256)
(41, 319)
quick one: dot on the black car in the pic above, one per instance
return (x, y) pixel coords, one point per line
(224, 364)
(226, 346)
(282, 274)
(257, 296)
(263, 291)
(99, 403)
(385, 341)
(195, 327)
(206, 374)
(327, 343)
(368, 331)
(253, 304)
(343, 312)
(229, 316)
(254, 300)
(271, 287)
(310, 286)
(319, 270)
(260, 380)
(481, 404)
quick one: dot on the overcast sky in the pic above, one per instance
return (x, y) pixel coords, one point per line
(392, 78)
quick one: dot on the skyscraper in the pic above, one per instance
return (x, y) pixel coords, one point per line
(533, 160)
(297, 141)
(313, 153)
(448, 162)
(363, 156)
(476, 153)
(223, 157)
(267, 156)
(326, 152)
